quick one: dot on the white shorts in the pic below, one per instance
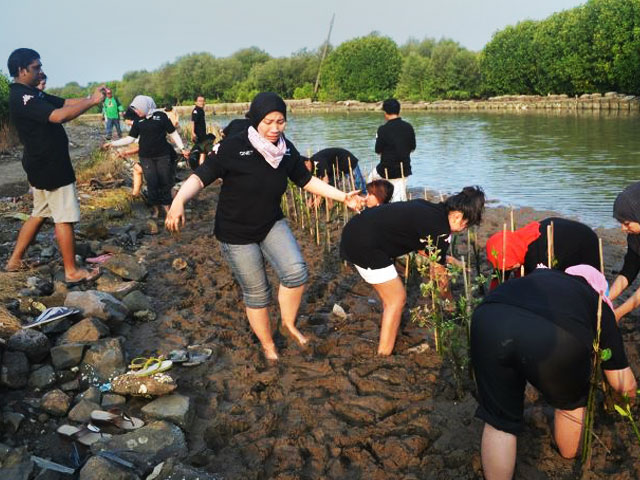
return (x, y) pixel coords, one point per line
(399, 186)
(60, 204)
(377, 275)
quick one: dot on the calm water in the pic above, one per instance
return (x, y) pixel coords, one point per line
(573, 164)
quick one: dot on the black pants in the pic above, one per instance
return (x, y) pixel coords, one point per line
(159, 175)
(510, 346)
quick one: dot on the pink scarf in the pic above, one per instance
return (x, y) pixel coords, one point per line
(272, 153)
(594, 278)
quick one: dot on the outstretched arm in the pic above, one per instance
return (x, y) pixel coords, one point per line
(630, 304)
(75, 108)
(318, 187)
(175, 217)
(622, 381)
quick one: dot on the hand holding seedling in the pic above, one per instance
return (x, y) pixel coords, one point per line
(354, 201)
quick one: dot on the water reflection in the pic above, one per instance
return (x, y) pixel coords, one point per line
(572, 163)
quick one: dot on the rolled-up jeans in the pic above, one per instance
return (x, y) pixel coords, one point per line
(112, 122)
(247, 262)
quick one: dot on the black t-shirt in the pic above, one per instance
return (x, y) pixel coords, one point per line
(46, 146)
(569, 302)
(377, 235)
(574, 243)
(235, 126)
(197, 117)
(153, 134)
(250, 197)
(395, 141)
(631, 265)
(330, 158)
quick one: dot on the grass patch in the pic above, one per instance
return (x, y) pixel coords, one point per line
(8, 136)
(101, 166)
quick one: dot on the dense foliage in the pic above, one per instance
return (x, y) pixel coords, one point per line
(4, 98)
(590, 48)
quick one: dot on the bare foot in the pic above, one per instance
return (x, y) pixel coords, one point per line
(270, 352)
(16, 266)
(292, 332)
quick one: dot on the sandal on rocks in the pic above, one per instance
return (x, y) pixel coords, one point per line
(192, 356)
(51, 315)
(93, 275)
(86, 435)
(151, 367)
(117, 418)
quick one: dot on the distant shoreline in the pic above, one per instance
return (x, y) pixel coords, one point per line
(612, 102)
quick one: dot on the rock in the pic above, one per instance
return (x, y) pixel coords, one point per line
(175, 408)
(171, 469)
(154, 385)
(43, 377)
(9, 323)
(55, 403)
(12, 420)
(115, 286)
(126, 266)
(148, 445)
(151, 227)
(339, 312)
(17, 465)
(15, 369)
(58, 326)
(95, 230)
(70, 386)
(91, 394)
(103, 361)
(98, 468)
(33, 343)
(137, 301)
(145, 316)
(112, 400)
(179, 263)
(81, 413)
(67, 356)
(86, 330)
(101, 305)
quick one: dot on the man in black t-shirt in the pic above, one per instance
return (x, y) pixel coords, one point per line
(198, 123)
(38, 117)
(339, 161)
(395, 141)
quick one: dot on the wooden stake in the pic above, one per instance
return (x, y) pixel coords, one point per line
(513, 223)
(301, 210)
(404, 185)
(353, 180)
(315, 205)
(504, 250)
(425, 193)
(345, 211)
(406, 269)
(601, 256)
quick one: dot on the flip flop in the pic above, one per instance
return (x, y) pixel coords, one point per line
(24, 266)
(51, 315)
(100, 258)
(197, 355)
(117, 418)
(153, 366)
(86, 436)
(90, 278)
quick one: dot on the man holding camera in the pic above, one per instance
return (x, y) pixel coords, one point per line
(38, 118)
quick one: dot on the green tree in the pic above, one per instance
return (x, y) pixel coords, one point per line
(414, 79)
(365, 69)
(4, 98)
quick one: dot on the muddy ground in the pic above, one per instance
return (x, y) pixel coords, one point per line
(334, 411)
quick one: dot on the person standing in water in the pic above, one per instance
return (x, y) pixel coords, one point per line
(198, 122)
(395, 141)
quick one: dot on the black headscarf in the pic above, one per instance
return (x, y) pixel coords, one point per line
(263, 104)
(627, 204)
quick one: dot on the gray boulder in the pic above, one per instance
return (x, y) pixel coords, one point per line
(175, 408)
(33, 343)
(43, 377)
(92, 394)
(148, 445)
(67, 356)
(111, 400)
(126, 266)
(15, 369)
(101, 305)
(17, 465)
(137, 301)
(103, 361)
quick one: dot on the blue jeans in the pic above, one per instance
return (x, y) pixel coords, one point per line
(359, 181)
(112, 122)
(247, 263)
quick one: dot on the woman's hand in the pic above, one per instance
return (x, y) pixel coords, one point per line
(105, 146)
(175, 219)
(185, 153)
(354, 201)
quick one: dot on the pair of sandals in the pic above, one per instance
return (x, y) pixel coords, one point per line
(89, 434)
(191, 356)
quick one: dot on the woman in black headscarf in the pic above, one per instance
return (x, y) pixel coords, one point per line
(255, 166)
(626, 209)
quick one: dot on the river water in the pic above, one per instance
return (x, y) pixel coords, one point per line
(574, 164)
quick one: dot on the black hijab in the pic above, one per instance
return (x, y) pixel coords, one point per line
(263, 104)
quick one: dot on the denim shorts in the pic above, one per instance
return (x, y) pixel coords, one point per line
(281, 250)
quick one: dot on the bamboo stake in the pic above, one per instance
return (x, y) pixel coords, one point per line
(345, 211)
(353, 181)
(293, 204)
(326, 207)
(601, 256)
(425, 193)
(513, 223)
(406, 269)
(550, 245)
(504, 250)
(315, 205)
(386, 173)
(301, 210)
(404, 185)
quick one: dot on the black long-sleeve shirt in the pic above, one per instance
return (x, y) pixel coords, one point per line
(329, 158)
(249, 203)
(395, 141)
(631, 265)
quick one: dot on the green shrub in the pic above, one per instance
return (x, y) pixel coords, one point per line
(4, 99)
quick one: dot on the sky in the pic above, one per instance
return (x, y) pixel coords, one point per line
(85, 40)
